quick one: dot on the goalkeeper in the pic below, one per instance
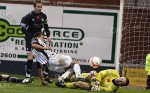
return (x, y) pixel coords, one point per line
(106, 80)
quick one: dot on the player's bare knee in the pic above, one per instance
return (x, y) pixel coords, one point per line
(73, 63)
(73, 78)
(30, 55)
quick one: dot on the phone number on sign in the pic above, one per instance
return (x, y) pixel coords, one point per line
(8, 55)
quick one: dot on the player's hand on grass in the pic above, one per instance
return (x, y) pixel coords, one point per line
(96, 86)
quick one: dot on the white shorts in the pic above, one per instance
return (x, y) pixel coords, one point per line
(57, 62)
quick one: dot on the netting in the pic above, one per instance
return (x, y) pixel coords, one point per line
(135, 42)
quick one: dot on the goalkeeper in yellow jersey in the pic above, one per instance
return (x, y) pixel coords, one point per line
(105, 80)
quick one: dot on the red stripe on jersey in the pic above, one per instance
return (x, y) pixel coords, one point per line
(108, 80)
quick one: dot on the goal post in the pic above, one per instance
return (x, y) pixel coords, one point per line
(134, 40)
(119, 35)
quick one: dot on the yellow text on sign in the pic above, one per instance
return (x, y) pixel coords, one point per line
(137, 77)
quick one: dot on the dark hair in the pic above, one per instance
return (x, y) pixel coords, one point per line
(37, 1)
(37, 34)
(127, 82)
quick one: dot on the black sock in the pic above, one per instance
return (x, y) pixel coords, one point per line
(46, 70)
(29, 66)
(12, 79)
(0, 77)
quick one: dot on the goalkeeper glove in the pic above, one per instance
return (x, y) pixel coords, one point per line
(92, 75)
(96, 86)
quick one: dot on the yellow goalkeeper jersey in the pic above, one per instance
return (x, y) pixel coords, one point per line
(105, 78)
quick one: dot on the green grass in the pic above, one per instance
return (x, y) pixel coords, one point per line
(36, 87)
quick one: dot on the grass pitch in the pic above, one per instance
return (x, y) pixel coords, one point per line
(36, 87)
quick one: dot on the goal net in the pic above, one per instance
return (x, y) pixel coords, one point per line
(135, 42)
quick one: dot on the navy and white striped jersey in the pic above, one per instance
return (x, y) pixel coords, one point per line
(41, 56)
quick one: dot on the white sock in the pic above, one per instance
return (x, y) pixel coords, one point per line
(67, 73)
(77, 69)
(45, 72)
(28, 75)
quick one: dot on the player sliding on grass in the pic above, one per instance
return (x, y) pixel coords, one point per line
(8, 78)
(106, 80)
(55, 62)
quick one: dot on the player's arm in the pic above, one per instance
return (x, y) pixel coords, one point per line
(107, 72)
(25, 24)
(94, 77)
(107, 89)
(46, 27)
(35, 45)
(102, 74)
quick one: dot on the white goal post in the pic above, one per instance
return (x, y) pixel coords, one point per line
(119, 34)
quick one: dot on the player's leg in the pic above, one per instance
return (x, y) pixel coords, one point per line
(65, 75)
(45, 73)
(29, 64)
(73, 64)
(28, 67)
(17, 80)
(85, 75)
(78, 84)
(65, 61)
(40, 71)
(83, 85)
(76, 67)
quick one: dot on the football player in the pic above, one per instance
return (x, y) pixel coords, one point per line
(106, 80)
(55, 62)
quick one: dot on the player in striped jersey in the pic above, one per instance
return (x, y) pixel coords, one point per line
(55, 62)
